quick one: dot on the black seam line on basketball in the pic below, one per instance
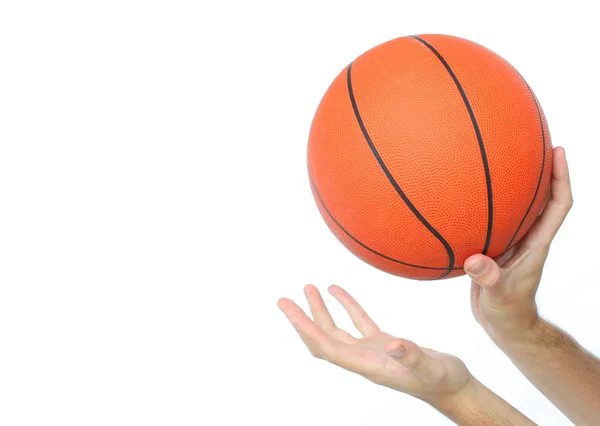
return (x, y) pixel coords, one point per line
(387, 172)
(486, 167)
(537, 188)
(356, 240)
(320, 199)
(443, 275)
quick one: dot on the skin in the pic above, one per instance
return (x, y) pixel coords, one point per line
(439, 379)
(503, 292)
(503, 303)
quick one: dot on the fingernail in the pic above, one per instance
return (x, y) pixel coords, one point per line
(478, 268)
(397, 352)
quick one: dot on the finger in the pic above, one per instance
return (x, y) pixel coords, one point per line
(411, 356)
(517, 253)
(294, 314)
(559, 204)
(487, 274)
(330, 349)
(505, 257)
(475, 293)
(359, 317)
(546, 199)
(318, 309)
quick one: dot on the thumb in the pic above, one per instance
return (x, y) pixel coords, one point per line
(485, 272)
(411, 356)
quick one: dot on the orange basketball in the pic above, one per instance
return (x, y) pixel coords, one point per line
(426, 150)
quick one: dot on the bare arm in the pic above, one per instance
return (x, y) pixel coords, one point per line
(503, 302)
(560, 368)
(439, 379)
(478, 405)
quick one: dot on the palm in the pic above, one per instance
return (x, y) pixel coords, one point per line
(420, 372)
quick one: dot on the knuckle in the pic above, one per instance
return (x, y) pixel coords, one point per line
(569, 197)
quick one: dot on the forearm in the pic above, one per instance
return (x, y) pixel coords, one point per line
(560, 368)
(476, 405)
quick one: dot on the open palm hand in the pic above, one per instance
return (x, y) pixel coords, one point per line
(396, 363)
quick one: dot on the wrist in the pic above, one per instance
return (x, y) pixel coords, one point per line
(474, 404)
(539, 338)
(515, 330)
(542, 335)
(448, 403)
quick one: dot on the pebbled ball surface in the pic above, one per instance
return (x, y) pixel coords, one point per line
(395, 156)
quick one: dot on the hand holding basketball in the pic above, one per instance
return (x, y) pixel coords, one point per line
(396, 363)
(503, 292)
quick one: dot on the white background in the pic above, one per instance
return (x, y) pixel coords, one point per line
(154, 205)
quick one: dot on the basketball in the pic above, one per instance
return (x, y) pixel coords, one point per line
(426, 150)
